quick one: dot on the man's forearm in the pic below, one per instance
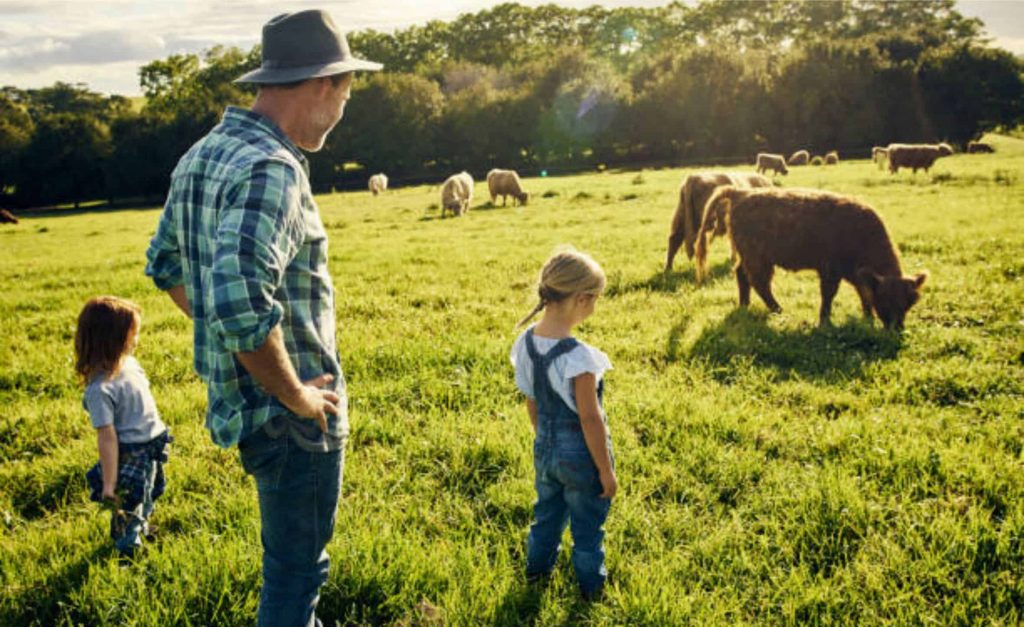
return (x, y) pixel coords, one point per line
(270, 366)
(180, 298)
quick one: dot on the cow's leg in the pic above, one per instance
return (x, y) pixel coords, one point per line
(829, 286)
(675, 240)
(761, 280)
(743, 282)
(865, 301)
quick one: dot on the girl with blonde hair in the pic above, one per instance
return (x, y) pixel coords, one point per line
(562, 379)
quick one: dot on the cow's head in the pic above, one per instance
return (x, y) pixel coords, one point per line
(892, 297)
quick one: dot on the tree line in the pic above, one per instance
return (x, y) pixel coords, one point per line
(551, 88)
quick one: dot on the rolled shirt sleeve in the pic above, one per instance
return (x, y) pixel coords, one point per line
(163, 257)
(256, 238)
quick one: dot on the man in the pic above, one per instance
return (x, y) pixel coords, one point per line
(241, 249)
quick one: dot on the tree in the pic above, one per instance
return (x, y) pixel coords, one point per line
(64, 160)
(969, 90)
(388, 126)
(16, 128)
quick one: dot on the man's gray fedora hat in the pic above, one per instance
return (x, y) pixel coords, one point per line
(302, 45)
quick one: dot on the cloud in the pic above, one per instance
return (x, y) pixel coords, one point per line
(95, 48)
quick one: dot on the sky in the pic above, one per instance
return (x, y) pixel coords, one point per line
(103, 44)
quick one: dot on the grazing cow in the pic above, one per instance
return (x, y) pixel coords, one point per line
(832, 158)
(800, 157)
(767, 161)
(693, 195)
(879, 156)
(506, 183)
(979, 147)
(838, 236)
(456, 194)
(915, 156)
(378, 183)
(6, 217)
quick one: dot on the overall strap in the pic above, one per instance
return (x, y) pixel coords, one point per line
(563, 346)
(542, 390)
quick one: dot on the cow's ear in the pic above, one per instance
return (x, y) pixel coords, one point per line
(869, 278)
(919, 280)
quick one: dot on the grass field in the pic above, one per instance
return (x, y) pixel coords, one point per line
(770, 471)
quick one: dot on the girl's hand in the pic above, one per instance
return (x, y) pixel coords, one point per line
(609, 485)
(110, 496)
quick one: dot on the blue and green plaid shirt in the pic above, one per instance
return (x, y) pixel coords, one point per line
(242, 232)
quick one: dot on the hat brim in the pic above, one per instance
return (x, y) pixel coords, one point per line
(266, 76)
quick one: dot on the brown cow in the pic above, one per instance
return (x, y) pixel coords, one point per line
(915, 156)
(838, 236)
(693, 195)
(978, 147)
(6, 217)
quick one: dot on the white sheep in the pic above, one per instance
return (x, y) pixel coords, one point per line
(456, 194)
(506, 183)
(378, 183)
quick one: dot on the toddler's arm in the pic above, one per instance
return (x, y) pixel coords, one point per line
(594, 431)
(106, 441)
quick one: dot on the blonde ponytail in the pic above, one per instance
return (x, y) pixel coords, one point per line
(565, 274)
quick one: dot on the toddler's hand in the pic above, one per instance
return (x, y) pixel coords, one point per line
(111, 498)
(609, 485)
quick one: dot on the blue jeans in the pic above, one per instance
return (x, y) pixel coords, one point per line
(568, 488)
(298, 494)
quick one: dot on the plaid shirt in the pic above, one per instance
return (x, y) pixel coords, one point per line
(134, 466)
(241, 231)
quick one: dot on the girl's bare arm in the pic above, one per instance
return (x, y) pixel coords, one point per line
(594, 431)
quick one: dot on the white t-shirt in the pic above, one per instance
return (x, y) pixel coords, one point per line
(125, 402)
(565, 368)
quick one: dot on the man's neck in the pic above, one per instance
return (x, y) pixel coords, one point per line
(280, 113)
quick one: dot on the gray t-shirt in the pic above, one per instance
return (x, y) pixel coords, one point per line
(125, 402)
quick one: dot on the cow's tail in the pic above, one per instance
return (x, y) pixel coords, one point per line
(717, 208)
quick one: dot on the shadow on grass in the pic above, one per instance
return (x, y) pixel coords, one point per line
(30, 214)
(47, 602)
(821, 353)
(668, 283)
(521, 606)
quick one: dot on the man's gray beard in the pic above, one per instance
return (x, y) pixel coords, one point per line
(320, 120)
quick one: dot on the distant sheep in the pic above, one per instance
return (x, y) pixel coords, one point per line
(832, 158)
(767, 161)
(6, 217)
(838, 236)
(915, 156)
(456, 194)
(378, 183)
(879, 155)
(800, 157)
(693, 195)
(979, 147)
(506, 183)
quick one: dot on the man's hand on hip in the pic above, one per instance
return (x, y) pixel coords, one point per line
(312, 402)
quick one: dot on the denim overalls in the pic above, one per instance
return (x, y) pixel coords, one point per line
(568, 484)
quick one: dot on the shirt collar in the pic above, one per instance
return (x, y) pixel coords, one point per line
(237, 116)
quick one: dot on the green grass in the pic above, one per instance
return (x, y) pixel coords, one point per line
(770, 472)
